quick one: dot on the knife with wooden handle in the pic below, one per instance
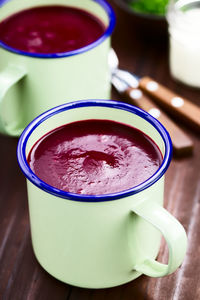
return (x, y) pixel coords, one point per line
(164, 97)
(172, 102)
(182, 144)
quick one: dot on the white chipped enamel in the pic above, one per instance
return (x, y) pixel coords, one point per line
(177, 102)
(152, 86)
(154, 112)
(136, 94)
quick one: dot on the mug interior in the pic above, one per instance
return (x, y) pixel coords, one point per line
(99, 8)
(94, 109)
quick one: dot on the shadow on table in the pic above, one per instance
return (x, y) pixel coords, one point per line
(135, 290)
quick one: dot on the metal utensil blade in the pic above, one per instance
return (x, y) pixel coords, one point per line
(119, 84)
(128, 78)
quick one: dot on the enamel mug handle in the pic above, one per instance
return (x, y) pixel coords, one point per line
(179, 106)
(173, 233)
(9, 77)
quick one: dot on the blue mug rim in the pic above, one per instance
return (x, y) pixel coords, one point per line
(112, 21)
(29, 174)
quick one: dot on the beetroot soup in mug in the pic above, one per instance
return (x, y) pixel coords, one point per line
(95, 178)
(51, 52)
(51, 29)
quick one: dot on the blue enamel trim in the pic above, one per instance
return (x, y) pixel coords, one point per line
(2, 2)
(112, 21)
(21, 150)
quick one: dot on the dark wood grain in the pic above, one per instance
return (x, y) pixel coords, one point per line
(21, 277)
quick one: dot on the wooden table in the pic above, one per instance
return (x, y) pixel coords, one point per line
(21, 277)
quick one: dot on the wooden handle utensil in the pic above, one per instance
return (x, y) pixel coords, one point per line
(175, 104)
(182, 144)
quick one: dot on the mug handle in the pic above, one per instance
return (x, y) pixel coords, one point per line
(173, 233)
(9, 77)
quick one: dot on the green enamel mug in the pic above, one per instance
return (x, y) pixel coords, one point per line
(103, 240)
(31, 83)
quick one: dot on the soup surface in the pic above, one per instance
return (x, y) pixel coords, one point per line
(95, 157)
(50, 29)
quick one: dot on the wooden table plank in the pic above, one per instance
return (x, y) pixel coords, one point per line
(21, 276)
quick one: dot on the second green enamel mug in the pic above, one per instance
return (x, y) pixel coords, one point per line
(31, 83)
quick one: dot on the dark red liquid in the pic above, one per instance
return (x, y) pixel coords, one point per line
(95, 157)
(50, 29)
